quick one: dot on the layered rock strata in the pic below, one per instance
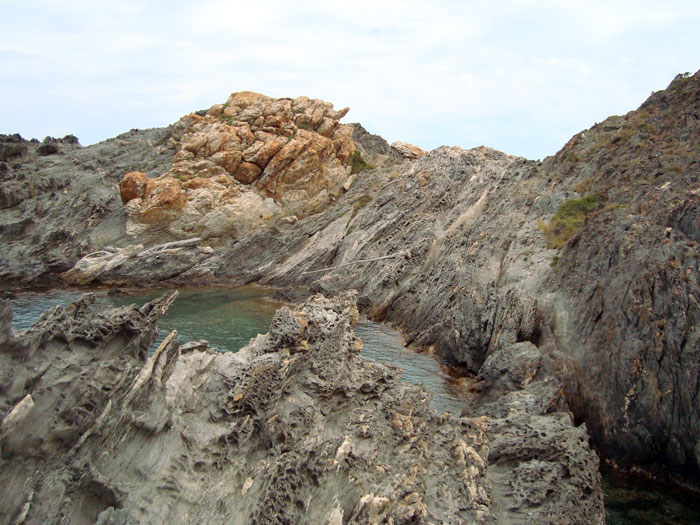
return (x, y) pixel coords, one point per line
(591, 256)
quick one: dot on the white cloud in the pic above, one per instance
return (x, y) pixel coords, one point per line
(519, 75)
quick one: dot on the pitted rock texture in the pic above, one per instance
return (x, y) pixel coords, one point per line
(243, 164)
(452, 247)
(294, 428)
(540, 465)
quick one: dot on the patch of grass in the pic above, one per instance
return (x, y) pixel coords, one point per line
(582, 187)
(573, 157)
(305, 126)
(357, 163)
(359, 204)
(228, 119)
(568, 220)
(614, 206)
(679, 81)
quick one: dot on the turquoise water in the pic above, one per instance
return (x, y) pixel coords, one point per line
(229, 318)
(384, 345)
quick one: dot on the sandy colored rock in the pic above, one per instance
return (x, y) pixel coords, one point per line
(408, 151)
(162, 202)
(292, 151)
(247, 172)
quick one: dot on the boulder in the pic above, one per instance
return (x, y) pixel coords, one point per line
(133, 186)
(294, 152)
(407, 151)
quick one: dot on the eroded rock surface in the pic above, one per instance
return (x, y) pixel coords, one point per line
(296, 427)
(243, 164)
(590, 256)
(56, 208)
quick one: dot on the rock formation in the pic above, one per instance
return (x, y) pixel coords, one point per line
(294, 428)
(57, 208)
(585, 264)
(243, 164)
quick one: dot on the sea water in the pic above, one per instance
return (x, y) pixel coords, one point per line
(229, 318)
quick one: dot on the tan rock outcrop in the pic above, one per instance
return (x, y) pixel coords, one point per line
(285, 156)
(407, 150)
(162, 201)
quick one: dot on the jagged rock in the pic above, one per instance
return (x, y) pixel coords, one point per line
(54, 210)
(452, 246)
(291, 151)
(133, 186)
(540, 465)
(124, 439)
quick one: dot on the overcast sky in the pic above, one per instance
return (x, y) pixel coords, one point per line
(517, 75)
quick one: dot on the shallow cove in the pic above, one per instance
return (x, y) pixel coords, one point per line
(229, 318)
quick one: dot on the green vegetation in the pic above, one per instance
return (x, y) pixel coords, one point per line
(568, 220)
(305, 126)
(228, 119)
(357, 163)
(679, 81)
(359, 204)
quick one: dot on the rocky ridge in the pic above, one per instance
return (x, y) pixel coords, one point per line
(296, 427)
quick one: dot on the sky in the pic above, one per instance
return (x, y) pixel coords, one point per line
(521, 76)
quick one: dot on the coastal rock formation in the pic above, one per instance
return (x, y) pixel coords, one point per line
(629, 282)
(243, 164)
(590, 256)
(532, 438)
(55, 209)
(406, 150)
(295, 427)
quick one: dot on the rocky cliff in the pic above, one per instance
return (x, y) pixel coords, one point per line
(588, 259)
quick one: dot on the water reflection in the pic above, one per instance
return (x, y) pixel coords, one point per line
(383, 344)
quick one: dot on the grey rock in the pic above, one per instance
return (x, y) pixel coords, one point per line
(296, 427)
(540, 465)
(112, 516)
(54, 209)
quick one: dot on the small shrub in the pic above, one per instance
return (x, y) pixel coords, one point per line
(568, 220)
(573, 157)
(581, 187)
(228, 119)
(305, 126)
(357, 163)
